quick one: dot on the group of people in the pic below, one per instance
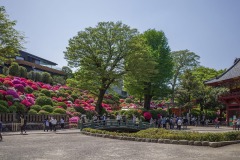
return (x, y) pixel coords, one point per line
(51, 124)
(169, 122)
(121, 119)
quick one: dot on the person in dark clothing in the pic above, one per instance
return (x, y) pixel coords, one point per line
(1, 130)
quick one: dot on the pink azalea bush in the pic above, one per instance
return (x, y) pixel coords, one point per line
(147, 115)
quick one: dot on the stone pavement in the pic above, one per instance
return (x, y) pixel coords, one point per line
(50, 146)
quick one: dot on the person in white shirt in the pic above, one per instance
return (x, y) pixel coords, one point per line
(179, 123)
(54, 123)
(119, 118)
(238, 123)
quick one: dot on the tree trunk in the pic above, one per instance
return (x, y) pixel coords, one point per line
(99, 101)
(147, 101)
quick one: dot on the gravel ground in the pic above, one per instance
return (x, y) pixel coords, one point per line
(78, 146)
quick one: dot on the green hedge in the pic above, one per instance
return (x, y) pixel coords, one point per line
(155, 133)
(44, 100)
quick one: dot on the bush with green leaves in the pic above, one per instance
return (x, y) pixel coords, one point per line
(4, 103)
(31, 75)
(38, 76)
(12, 109)
(74, 96)
(20, 107)
(9, 98)
(42, 112)
(62, 104)
(5, 70)
(36, 107)
(128, 100)
(28, 89)
(14, 69)
(3, 109)
(59, 80)
(46, 92)
(195, 112)
(22, 72)
(35, 93)
(47, 108)
(80, 109)
(59, 111)
(44, 100)
(46, 77)
(62, 93)
(32, 111)
(1, 96)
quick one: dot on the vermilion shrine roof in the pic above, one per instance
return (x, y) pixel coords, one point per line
(232, 73)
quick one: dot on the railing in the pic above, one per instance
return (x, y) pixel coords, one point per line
(31, 118)
(115, 124)
(11, 121)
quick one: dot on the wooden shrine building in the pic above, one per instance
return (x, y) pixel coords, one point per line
(229, 79)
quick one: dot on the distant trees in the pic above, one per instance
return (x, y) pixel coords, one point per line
(182, 61)
(10, 39)
(67, 71)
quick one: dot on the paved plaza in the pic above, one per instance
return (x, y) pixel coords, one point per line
(71, 144)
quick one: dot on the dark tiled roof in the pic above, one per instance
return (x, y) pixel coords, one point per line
(232, 73)
(37, 66)
(34, 56)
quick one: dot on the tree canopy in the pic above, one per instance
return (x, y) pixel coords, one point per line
(156, 83)
(103, 54)
(10, 39)
(183, 60)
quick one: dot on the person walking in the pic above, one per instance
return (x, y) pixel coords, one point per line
(238, 123)
(62, 122)
(22, 124)
(1, 126)
(179, 124)
(119, 117)
(54, 124)
(50, 123)
(46, 125)
(217, 123)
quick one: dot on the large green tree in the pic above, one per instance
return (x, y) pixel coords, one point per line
(103, 54)
(10, 39)
(183, 60)
(207, 96)
(192, 91)
(156, 84)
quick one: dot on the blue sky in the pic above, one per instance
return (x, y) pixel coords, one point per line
(210, 28)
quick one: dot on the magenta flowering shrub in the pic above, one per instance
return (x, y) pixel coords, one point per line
(147, 115)
(19, 87)
(35, 87)
(74, 119)
(8, 83)
(16, 81)
(26, 103)
(3, 92)
(13, 93)
(46, 86)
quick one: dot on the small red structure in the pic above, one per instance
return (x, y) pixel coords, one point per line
(229, 79)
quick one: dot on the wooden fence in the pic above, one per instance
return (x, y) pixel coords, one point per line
(31, 118)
